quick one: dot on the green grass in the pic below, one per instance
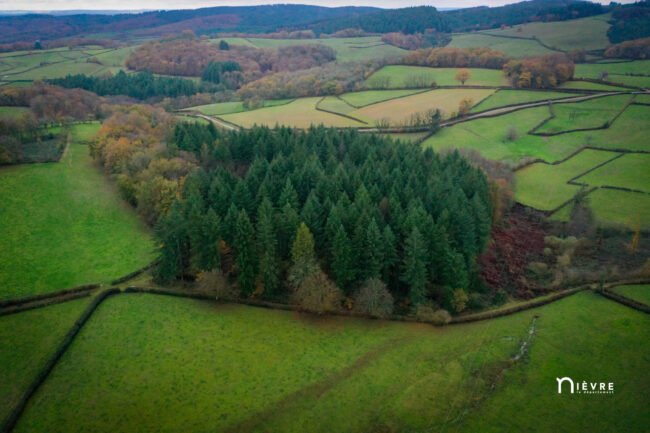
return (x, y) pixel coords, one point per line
(593, 70)
(300, 113)
(615, 208)
(593, 113)
(410, 76)
(220, 108)
(588, 85)
(347, 49)
(545, 187)
(508, 97)
(408, 136)
(336, 105)
(400, 110)
(632, 171)
(586, 33)
(511, 47)
(629, 80)
(192, 119)
(154, 363)
(13, 111)
(68, 226)
(640, 293)
(27, 340)
(367, 97)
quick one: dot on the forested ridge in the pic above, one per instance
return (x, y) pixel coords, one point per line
(376, 209)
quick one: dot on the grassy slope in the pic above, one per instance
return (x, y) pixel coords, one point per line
(300, 113)
(360, 99)
(68, 226)
(545, 187)
(337, 105)
(511, 47)
(592, 113)
(640, 293)
(399, 76)
(399, 110)
(27, 339)
(146, 363)
(593, 70)
(220, 108)
(629, 171)
(587, 33)
(508, 97)
(587, 85)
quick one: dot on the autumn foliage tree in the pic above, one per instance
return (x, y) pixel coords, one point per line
(462, 76)
(542, 72)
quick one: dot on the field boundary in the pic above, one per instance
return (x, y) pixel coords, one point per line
(420, 90)
(317, 108)
(629, 302)
(34, 298)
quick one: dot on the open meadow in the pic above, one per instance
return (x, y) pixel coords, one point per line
(94, 237)
(396, 76)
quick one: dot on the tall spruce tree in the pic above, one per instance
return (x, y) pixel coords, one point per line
(209, 245)
(342, 261)
(267, 245)
(414, 273)
(246, 259)
(174, 251)
(373, 253)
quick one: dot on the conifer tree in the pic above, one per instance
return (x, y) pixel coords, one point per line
(267, 245)
(342, 261)
(390, 254)
(303, 256)
(209, 248)
(174, 250)
(373, 251)
(414, 273)
(246, 259)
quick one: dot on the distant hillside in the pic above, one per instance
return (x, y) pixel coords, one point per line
(243, 19)
(630, 22)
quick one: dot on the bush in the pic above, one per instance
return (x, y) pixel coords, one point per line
(215, 283)
(459, 300)
(374, 299)
(512, 134)
(317, 294)
(441, 317)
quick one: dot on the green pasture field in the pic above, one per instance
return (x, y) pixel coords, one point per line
(545, 187)
(402, 76)
(643, 99)
(615, 208)
(593, 113)
(588, 85)
(13, 111)
(191, 119)
(631, 170)
(509, 97)
(27, 340)
(640, 292)
(347, 49)
(220, 108)
(337, 105)
(629, 80)
(115, 57)
(367, 97)
(233, 41)
(593, 70)
(400, 110)
(155, 363)
(511, 47)
(300, 113)
(586, 33)
(68, 225)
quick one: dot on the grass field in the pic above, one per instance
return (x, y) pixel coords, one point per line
(191, 119)
(586, 33)
(593, 113)
(412, 76)
(27, 340)
(347, 49)
(593, 70)
(640, 293)
(511, 47)
(615, 208)
(68, 226)
(337, 105)
(220, 108)
(588, 85)
(367, 97)
(153, 363)
(300, 113)
(399, 110)
(545, 187)
(631, 171)
(509, 97)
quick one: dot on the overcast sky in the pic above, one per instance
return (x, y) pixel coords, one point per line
(49, 5)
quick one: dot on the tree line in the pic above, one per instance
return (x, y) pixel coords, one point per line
(542, 72)
(273, 209)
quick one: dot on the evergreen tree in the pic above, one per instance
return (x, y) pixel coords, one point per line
(287, 224)
(230, 224)
(303, 256)
(373, 251)
(288, 195)
(174, 251)
(390, 254)
(267, 244)
(209, 248)
(342, 261)
(414, 267)
(246, 260)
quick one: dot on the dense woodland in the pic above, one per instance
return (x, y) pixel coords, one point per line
(630, 22)
(542, 72)
(456, 58)
(636, 49)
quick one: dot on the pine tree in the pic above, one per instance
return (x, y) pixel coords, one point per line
(246, 260)
(209, 254)
(414, 267)
(174, 250)
(288, 195)
(342, 261)
(267, 245)
(390, 254)
(303, 256)
(373, 253)
(287, 224)
(230, 224)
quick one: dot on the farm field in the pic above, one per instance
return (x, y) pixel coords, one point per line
(594, 70)
(593, 113)
(509, 46)
(588, 85)
(400, 110)
(640, 293)
(300, 113)
(27, 340)
(347, 49)
(509, 97)
(220, 108)
(419, 76)
(332, 372)
(545, 186)
(631, 170)
(336, 105)
(94, 237)
(587, 33)
(367, 97)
